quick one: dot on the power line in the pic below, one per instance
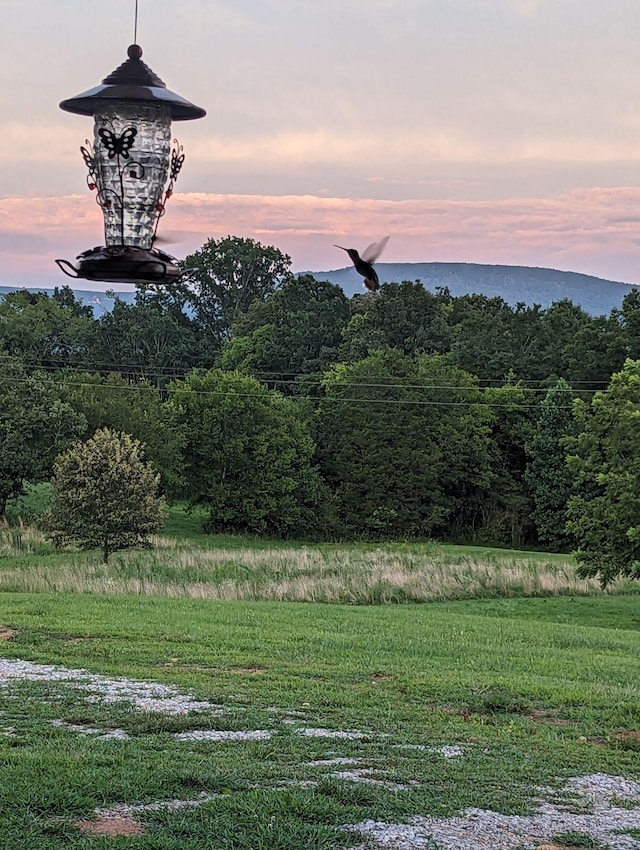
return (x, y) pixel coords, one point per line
(181, 374)
(110, 388)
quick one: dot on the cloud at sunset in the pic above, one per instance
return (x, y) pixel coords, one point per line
(501, 131)
(574, 231)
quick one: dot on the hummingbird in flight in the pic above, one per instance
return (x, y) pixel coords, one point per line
(364, 263)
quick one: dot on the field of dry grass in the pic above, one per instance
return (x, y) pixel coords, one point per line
(365, 574)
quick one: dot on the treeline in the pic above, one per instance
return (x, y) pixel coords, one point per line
(286, 408)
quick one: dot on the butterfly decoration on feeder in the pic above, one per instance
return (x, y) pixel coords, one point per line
(364, 262)
(118, 145)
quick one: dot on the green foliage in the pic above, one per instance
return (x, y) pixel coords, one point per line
(295, 330)
(45, 330)
(32, 504)
(631, 322)
(105, 495)
(152, 337)
(248, 455)
(560, 326)
(35, 424)
(405, 316)
(132, 407)
(223, 279)
(238, 307)
(547, 473)
(401, 441)
(482, 337)
(596, 351)
(505, 507)
(604, 513)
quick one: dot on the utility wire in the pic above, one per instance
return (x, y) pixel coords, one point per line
(109, 388)
(176, 373)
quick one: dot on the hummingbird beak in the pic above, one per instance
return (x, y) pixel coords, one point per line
(341, 248)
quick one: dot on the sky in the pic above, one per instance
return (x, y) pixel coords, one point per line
(485, 131)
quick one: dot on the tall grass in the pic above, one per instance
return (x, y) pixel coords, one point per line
(352, 575)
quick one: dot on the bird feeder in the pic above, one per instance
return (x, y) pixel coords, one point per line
(133, 165)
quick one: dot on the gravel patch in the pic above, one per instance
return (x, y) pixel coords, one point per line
(478, 829)
(363, 776)
(122, 811)
(224, 735)
(448, 751)
(101, 735)
(331, 733)
(331, 762)
(144, 696)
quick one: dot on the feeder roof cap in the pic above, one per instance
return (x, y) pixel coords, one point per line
(132, 81)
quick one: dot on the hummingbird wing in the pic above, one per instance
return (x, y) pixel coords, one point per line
(373, 251)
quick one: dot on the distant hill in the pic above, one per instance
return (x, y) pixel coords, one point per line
(512, 283)
(100, 302)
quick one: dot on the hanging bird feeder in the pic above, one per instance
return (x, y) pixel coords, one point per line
(132, 165)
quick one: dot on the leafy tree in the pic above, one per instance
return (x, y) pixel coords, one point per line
(547, 473)
(528, 341)
(559, 325)
(604, 513)
(134, 407)
(35, 425)
(405, 316)
(296, 330)
(482, 340)
(224, 277)
(247, 454)
(105, 495)
(506, 505)
(151, 339)
(402, 442)
(596, 351)
(631, 322)
(45, 330)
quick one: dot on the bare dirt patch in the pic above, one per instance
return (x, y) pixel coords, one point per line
(7, 634)
(628, 736)
(247, 671)
(548, 715)
(110, 827)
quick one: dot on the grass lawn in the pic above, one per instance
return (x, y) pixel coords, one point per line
(230, 698)
(531, 692)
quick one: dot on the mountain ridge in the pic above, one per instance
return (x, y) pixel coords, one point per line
(514, 284)
(527, 284)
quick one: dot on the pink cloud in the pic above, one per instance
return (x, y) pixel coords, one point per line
(591, 230)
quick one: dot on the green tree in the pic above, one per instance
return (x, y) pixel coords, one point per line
(151, 339)
(482, 339)
(402, 443)
(604, 512)
(295, 331)
(631, 322)
(105, 495)
(596, 351)
(45, 330)
(35, 425)
(506, 505)
(560, 324)
(223, 278)
(135, 408)
(405, 316)
(248, 455)
(547, 472)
